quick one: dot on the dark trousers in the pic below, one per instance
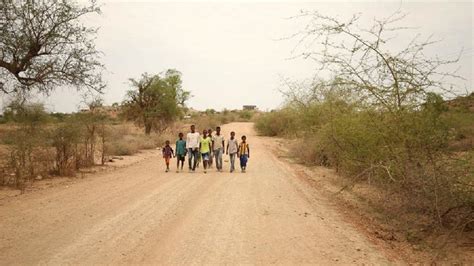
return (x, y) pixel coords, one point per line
(243, 160)
(192, 158)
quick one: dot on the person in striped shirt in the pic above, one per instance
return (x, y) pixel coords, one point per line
(243, 153)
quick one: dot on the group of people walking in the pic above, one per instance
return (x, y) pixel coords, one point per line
(206, 148)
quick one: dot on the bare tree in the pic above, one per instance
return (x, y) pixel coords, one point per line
(43, 45)
(362, 61)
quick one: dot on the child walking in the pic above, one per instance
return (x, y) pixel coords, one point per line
(218, 148)
(205, 149)
(244, 154)
(167, 154)
(232, 150)
(180, 151)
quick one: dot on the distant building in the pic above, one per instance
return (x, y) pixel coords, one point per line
(249, 107)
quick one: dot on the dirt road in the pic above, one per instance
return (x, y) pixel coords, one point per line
(142, 215)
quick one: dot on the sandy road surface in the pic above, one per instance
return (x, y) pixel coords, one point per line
(142, 215)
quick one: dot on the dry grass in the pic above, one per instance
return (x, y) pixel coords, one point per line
(120, 139)
(381, 212)
(126, 139)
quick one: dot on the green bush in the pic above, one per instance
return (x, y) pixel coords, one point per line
(277, 123)
(246, 115)
(405, 152)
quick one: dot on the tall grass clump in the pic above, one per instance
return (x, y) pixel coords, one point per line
(125, 139)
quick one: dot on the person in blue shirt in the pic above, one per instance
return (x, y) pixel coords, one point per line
(180, 151)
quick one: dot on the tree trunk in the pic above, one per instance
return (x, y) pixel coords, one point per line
(147, 128)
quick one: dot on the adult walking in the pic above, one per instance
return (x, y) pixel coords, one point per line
(192, 144)
(232, 149)
(218, 148)
(209, 134)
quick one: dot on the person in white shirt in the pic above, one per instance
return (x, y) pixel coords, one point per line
(232, 149)
(218, 148)
(209, 133)
(192, 144)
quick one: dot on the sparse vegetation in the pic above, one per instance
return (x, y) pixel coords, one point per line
(37, 144)
(415, 159)
(379, 123)
(379, 163)
(157, 101)
(211, 118)
(27, 150)
(125, 139)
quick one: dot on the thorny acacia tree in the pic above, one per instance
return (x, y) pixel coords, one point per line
(361, 60)
(156, 101)
(43, 44)
(393, 130)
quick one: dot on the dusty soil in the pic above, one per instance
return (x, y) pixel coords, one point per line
(64, 181)
(359, 205)
(139, 214)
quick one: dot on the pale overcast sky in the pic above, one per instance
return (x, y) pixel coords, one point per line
(229, 52)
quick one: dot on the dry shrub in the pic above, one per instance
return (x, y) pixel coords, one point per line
(66, 141)
(306, 151)
(127, 139)
(406, 155)
(245, 115)
(29, 156)
(460, 121)
(204, 121)
(277, 123)
(35, 143)
(211, 119)
(28, 146)
(378, 121)
(121, 148)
